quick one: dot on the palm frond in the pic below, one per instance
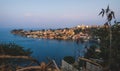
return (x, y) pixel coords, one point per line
(109, 17)
(113, 14)
(107, 10)
(100, 13)
(103, 12)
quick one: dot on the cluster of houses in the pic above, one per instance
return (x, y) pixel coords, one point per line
(51, 34)
(62, 34)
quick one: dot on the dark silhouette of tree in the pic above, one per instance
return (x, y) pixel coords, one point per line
(91, 52)
(69, 59)
(109, 15)
(12, 55)
(13, 49)
(103, 34)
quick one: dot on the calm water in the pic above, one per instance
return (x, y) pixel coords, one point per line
(41, 48)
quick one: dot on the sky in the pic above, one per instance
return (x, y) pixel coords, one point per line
(54, 13)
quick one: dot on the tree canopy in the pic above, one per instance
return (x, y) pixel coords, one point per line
(13, 49)
(103, 34)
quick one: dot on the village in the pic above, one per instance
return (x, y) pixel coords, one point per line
(80, 31)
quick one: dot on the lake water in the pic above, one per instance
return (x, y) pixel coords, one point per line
(42, 48)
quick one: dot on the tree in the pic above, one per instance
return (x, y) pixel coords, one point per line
(103, 34)
(69, 59)
(110, 42)
(92, 53)
(13, 49)
(109, 15)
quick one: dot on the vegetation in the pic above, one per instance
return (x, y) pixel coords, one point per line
(11, 55)
(109, 15)
(16, 58)
(111, 50)
(92, 53)
(77, 31)
(109, 36)
(103, 34)
(69, 59)
(13, 49)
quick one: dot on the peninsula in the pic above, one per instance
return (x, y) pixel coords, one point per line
(79, 31)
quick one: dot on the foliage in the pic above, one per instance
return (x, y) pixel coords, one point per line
(69, 59)
(111, 51)
(109, 13)
(77, 31)
(13, 49)
(91, 52)
(103, 34)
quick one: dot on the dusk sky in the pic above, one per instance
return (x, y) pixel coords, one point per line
(53, 13)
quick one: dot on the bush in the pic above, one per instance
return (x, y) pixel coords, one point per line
(69, 59)
(13, 49)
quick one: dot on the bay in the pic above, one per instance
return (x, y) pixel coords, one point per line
(42, 48)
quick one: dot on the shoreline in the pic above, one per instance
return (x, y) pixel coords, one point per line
(58, 34)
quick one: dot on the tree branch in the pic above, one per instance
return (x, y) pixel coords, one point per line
(29, 68)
